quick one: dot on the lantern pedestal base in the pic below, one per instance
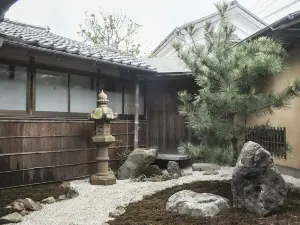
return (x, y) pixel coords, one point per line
(109, 179)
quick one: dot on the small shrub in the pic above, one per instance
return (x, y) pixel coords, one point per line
(155, 178)
(200, 153)
(123, 155)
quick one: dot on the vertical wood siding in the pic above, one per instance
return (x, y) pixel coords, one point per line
(165, 127)
(43, 151)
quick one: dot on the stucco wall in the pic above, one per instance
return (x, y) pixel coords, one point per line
(289, 118)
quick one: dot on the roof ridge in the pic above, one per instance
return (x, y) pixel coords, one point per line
(232, 5)
(16, 22)
(289, 16)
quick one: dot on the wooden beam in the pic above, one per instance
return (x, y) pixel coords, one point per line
(136, 117)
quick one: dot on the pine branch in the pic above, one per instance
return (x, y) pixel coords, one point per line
(229, 79)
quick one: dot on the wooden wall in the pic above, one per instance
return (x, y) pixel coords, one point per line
(165, 127)
(33, 152)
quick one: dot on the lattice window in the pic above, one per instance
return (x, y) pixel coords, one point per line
(272, 139)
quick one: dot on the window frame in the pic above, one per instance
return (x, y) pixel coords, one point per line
(12, 112)
(31, 112)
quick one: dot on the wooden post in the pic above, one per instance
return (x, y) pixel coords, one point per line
(136, 115)
(31, 86)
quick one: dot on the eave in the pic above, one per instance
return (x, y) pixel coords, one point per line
(4, 7)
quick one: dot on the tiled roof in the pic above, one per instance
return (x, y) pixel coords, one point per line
(42, 37)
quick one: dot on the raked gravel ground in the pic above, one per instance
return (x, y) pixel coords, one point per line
(94, 203)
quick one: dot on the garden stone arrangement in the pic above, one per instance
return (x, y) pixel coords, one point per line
(196, 204)
(154, 174)
(257, 185)
(20, 208)
(136, 163)
(186, 195)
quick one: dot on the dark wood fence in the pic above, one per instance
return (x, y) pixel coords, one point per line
(272, 139)
(34, 152)
(165, 127)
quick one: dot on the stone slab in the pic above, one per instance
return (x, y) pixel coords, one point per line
(172, 157)
(103, 180)
(103, 139)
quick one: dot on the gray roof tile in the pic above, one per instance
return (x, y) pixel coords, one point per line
(41, 37)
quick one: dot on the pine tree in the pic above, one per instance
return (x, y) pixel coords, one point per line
(229, 77)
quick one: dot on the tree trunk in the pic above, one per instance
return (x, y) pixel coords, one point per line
(234, 142)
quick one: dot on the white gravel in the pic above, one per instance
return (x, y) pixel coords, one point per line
(94, 203)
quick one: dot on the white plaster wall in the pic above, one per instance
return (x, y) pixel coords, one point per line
(245, 26)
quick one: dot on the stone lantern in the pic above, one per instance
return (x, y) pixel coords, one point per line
(102, 139)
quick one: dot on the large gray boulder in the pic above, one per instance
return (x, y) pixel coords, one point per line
(257, 185)
(136, 163)
(194, 204)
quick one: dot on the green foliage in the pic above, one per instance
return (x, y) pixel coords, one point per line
(113, 30)
(220, 156)
(229, 76)
(123, 155)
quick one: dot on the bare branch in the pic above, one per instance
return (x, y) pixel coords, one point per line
(110, 29)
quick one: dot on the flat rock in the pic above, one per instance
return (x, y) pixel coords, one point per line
(257, 186)
(31, 205)
(172, 157)
(205, 166)
(11, 218)
(211, 172)
(48, 200)
(16, 206)
(61, 197)
(117, 212)
(194, 204)
(109, 179)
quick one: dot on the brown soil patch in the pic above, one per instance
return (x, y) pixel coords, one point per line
(151, 210)
(35, 192)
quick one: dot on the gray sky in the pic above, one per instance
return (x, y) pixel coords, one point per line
(157, 17)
